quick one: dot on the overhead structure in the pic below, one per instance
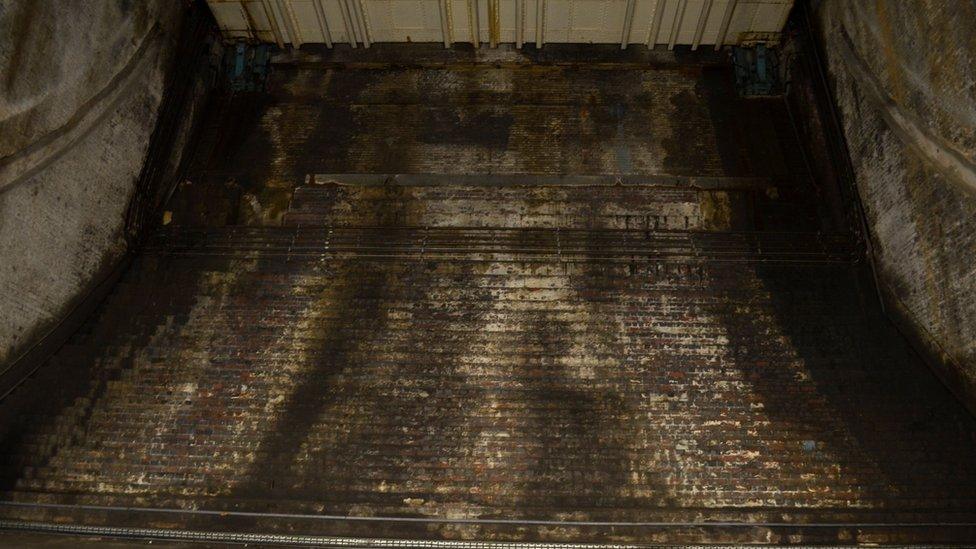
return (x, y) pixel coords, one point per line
(653, 23)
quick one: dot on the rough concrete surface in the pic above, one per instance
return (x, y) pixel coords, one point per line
(905, 79)
(80, 87)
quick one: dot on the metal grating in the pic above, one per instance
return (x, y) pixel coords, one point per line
(160, 534)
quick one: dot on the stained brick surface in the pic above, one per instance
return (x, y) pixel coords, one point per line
(475, 119)
(458, 352)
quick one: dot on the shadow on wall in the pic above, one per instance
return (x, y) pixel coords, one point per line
(901, 84)
(869, 424)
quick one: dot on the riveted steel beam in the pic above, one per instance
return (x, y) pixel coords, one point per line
(323, 23)
(444, 7)
(273, 22)
(723, 30)
(474, 26)
(348, 23)
(656, 20)
(702, 20)
(628, 23)
(540, 22)
(519, 23)
(291, 24)
(676, 23)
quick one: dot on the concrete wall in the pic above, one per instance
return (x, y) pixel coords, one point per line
(80, 88)
(904, 75)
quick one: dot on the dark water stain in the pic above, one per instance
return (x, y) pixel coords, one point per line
(347, 120)
(621, 147)
(539, 136)
(358, 293)
(272, 473)
(328, 129)
(313, 133)
(597, 284)
(232, 159)
(612, 117)
(485, 127)
(716, 87)
(412, 444)
(369, 414)
(582, 425)
(573, 424)
(696, 117)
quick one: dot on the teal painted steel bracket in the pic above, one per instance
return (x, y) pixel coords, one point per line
(246, 67)
(756, 71)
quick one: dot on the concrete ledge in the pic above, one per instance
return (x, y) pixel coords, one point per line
(543, 180)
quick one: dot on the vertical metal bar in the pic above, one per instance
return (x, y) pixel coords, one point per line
(723, 30)
(628, 21)
(702, 19)
(785, 11)
(676, 24)
(443, 7)
(540, 22)
(284, 6)
(473, 23)
(252, 30)
(494, 32)
(347, 22)
(363, 22)
(323, 23)
(519, 23)
(273, 22)
(655, 29)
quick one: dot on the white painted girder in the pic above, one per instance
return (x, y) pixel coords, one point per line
(363, 22)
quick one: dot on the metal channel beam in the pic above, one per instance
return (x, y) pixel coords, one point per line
(291, 24)
(540, 22)
(519, 23)
(700, 27)
(348, 23)
(676, 24)
(723, 30)
(273, 22)
(473, 23)
(444, 6)
(494, 23)
(323, 23)
(359, 13)
(628, 24)
(659, 7)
